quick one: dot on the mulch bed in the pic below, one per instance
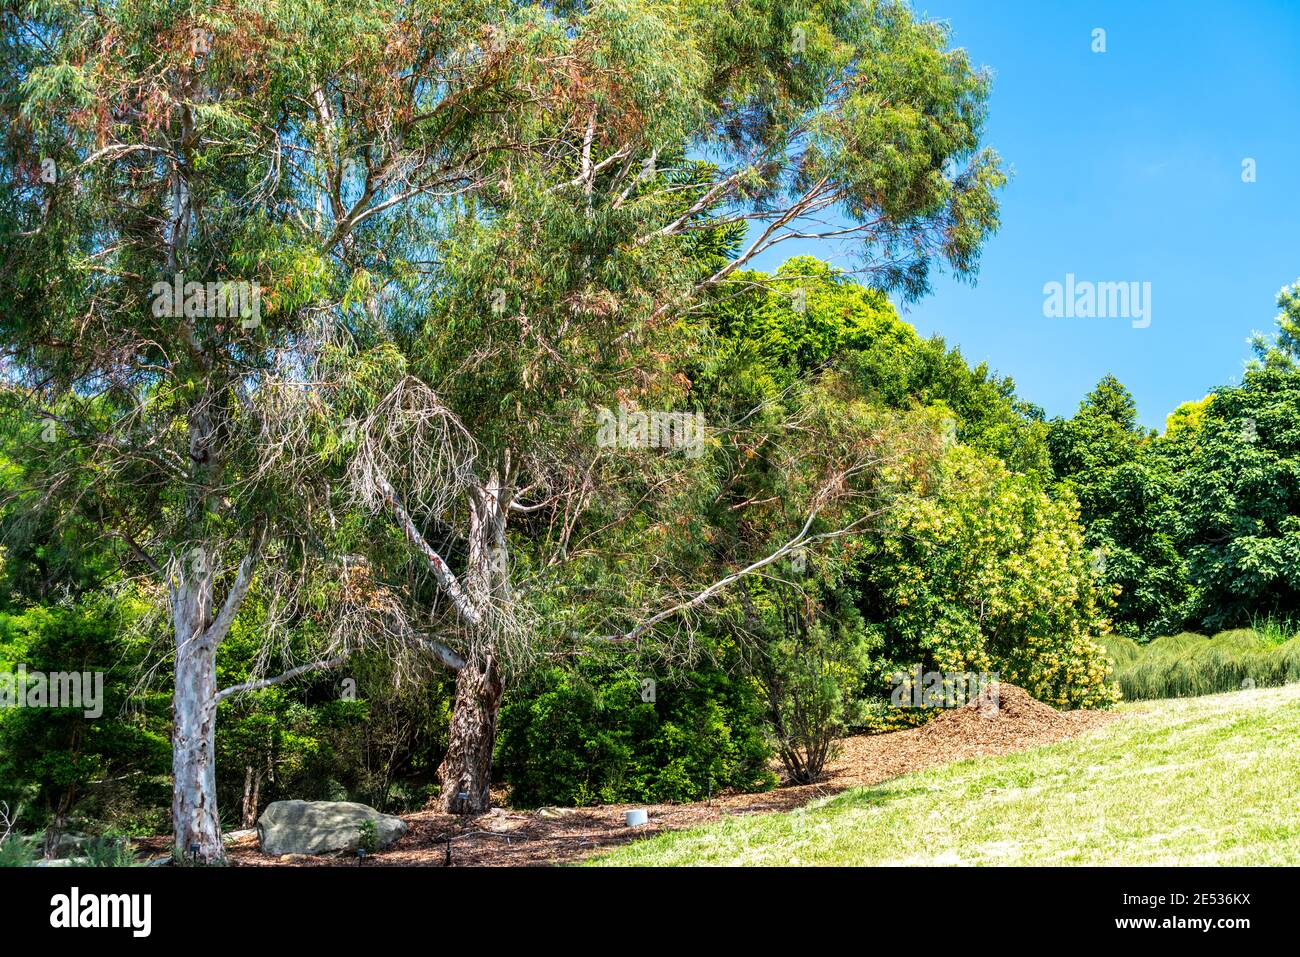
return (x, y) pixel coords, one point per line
(1011, 721)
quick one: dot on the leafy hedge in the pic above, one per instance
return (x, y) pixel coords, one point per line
(587, 737)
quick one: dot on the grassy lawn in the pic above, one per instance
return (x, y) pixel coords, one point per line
(1211, 780)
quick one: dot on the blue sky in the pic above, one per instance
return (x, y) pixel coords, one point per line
(1127, 166)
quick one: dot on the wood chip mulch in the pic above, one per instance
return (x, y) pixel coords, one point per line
(1010, 721)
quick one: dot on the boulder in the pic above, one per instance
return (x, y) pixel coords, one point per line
(322, 827)
(235, 837)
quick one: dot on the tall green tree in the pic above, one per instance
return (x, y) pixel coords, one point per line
(242, 144)
(1239, 486)
(1128, 503)
(571, 281)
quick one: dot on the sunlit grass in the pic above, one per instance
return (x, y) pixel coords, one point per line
(1210, 780)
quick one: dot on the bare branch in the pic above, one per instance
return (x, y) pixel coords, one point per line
(446, 578)
(260, 683)
(234, 598)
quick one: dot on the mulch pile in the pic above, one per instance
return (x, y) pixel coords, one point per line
(1002, 719)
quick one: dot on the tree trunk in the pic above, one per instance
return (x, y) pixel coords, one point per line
(194, 771)
(252, 791)
(195, 828)
(466, 770)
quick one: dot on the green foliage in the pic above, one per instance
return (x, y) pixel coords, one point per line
(809, 651)
(1240, 519)
(108, 852)
(808, 315)
(19, 851)
(989, 574)
(357, 736)
(1186, 420)
(1121, 649)
(1200, 526)
(65, 767)
(368, 839)
(1273, 630)
(587, 737)
(1128, 500)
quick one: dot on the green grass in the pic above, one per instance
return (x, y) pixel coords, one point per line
(1211, 780)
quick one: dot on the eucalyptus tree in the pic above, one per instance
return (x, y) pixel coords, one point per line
(180, 231)
(664, 148)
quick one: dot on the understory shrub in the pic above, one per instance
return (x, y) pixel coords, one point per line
(588, 737)
(807, 650)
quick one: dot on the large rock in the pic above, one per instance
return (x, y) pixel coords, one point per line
(322, 827)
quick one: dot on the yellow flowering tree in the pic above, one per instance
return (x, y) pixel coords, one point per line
(989, 574)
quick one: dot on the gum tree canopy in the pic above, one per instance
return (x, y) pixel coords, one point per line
(316, 299)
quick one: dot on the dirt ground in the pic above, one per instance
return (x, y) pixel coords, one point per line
(504, 837)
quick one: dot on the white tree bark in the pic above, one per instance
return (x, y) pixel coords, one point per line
(196, 828)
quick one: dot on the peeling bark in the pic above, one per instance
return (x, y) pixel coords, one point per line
(466, 770)
(196, 829)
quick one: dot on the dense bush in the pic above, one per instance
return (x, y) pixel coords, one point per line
(587, 737)
(1128, 504)
(989, 574)
(808, 650)
(67, 770)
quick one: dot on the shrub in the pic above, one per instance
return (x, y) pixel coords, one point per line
(18, 851)
(808, 657)
(587, 737)
(989, 574)
(69, 770)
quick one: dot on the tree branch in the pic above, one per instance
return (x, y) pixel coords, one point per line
(260, 683)
(719, 585)
(444, 654)
(802, 538)
(234, 598)
(446, 578)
